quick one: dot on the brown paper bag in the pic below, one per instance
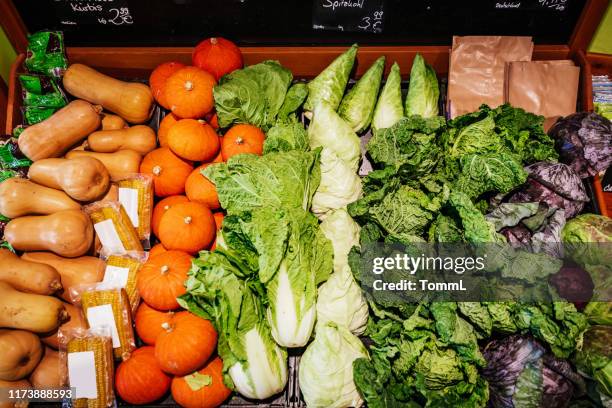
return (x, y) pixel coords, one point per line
(547, 88)
(477, 65)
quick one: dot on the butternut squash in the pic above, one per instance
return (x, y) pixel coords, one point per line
(82, 178)
(112, 122)
(139, 138)
(132, 101)
(28, 276)
(21, 352)
(73, 271)
(75, 321)
(47, 372)
(15, 385)
(67, 233)
(20, 197)
(119, 164)
(27, 311)
(54, 136)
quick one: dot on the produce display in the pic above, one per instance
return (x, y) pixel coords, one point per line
(190, 261)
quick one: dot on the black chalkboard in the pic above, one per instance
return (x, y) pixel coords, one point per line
(104, 12)
(290, 22)
(349, 15)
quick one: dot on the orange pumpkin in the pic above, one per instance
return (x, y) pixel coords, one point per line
(157, 249)
(161, 208)
(193, 140)
(164, 126)
(185, 344)
(201, 190)
(202, 389)
(217, 56)
(189, 93)
(187, 227)
(218, 219)
(162, 279)
(158, 79)
(214, 121)
(242, 138)
(149, 322)
(139, 379)
(168, 170)
(219, 158)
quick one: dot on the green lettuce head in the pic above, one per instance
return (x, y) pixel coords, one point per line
(326, 368)
(588, 239)
(339, 186)
(329, 85)
(357, 107)
(330, 131)
(423, 91)
(389, 108)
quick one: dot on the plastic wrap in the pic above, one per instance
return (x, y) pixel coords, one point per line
(113, 227)
(86, 364)
(136, 196)
(122, 270)
(107, 304)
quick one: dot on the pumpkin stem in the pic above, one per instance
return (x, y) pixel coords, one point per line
(157, 170)
(239, 140)
(213, 41)
(164, 269)
(187, 220)
(188, 85)
(166, 207)
(201, 121)
(166, 326)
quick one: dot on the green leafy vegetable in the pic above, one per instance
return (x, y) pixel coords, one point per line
(330, 131)
(357, 107)
(330, 84)
(286, 179)
(423, 91)
(339, 185)
(491, 172)
(252, 361)
(389, 108)
(252, 95)
(326, 368)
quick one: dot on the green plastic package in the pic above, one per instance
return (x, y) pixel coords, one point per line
(11, 157)
(36, 114)
(46, 53)
(41, 91)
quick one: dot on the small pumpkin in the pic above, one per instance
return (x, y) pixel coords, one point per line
(193, 140)
(168, 170)
(201, 190)
(162, 279)
(164, 127)
(149, 322)
(157, 249)
(189, 93)
(187, 227)
(160, 209)
(158, 79)
(139, 379)
(217, 56)
(185, 344)
(218, 219)
(202, 389)
(242, 138)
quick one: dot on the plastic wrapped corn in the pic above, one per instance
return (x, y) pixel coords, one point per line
(87, 366)
(136, 196)
(107, 305)
(121, 271)
(113, 227)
